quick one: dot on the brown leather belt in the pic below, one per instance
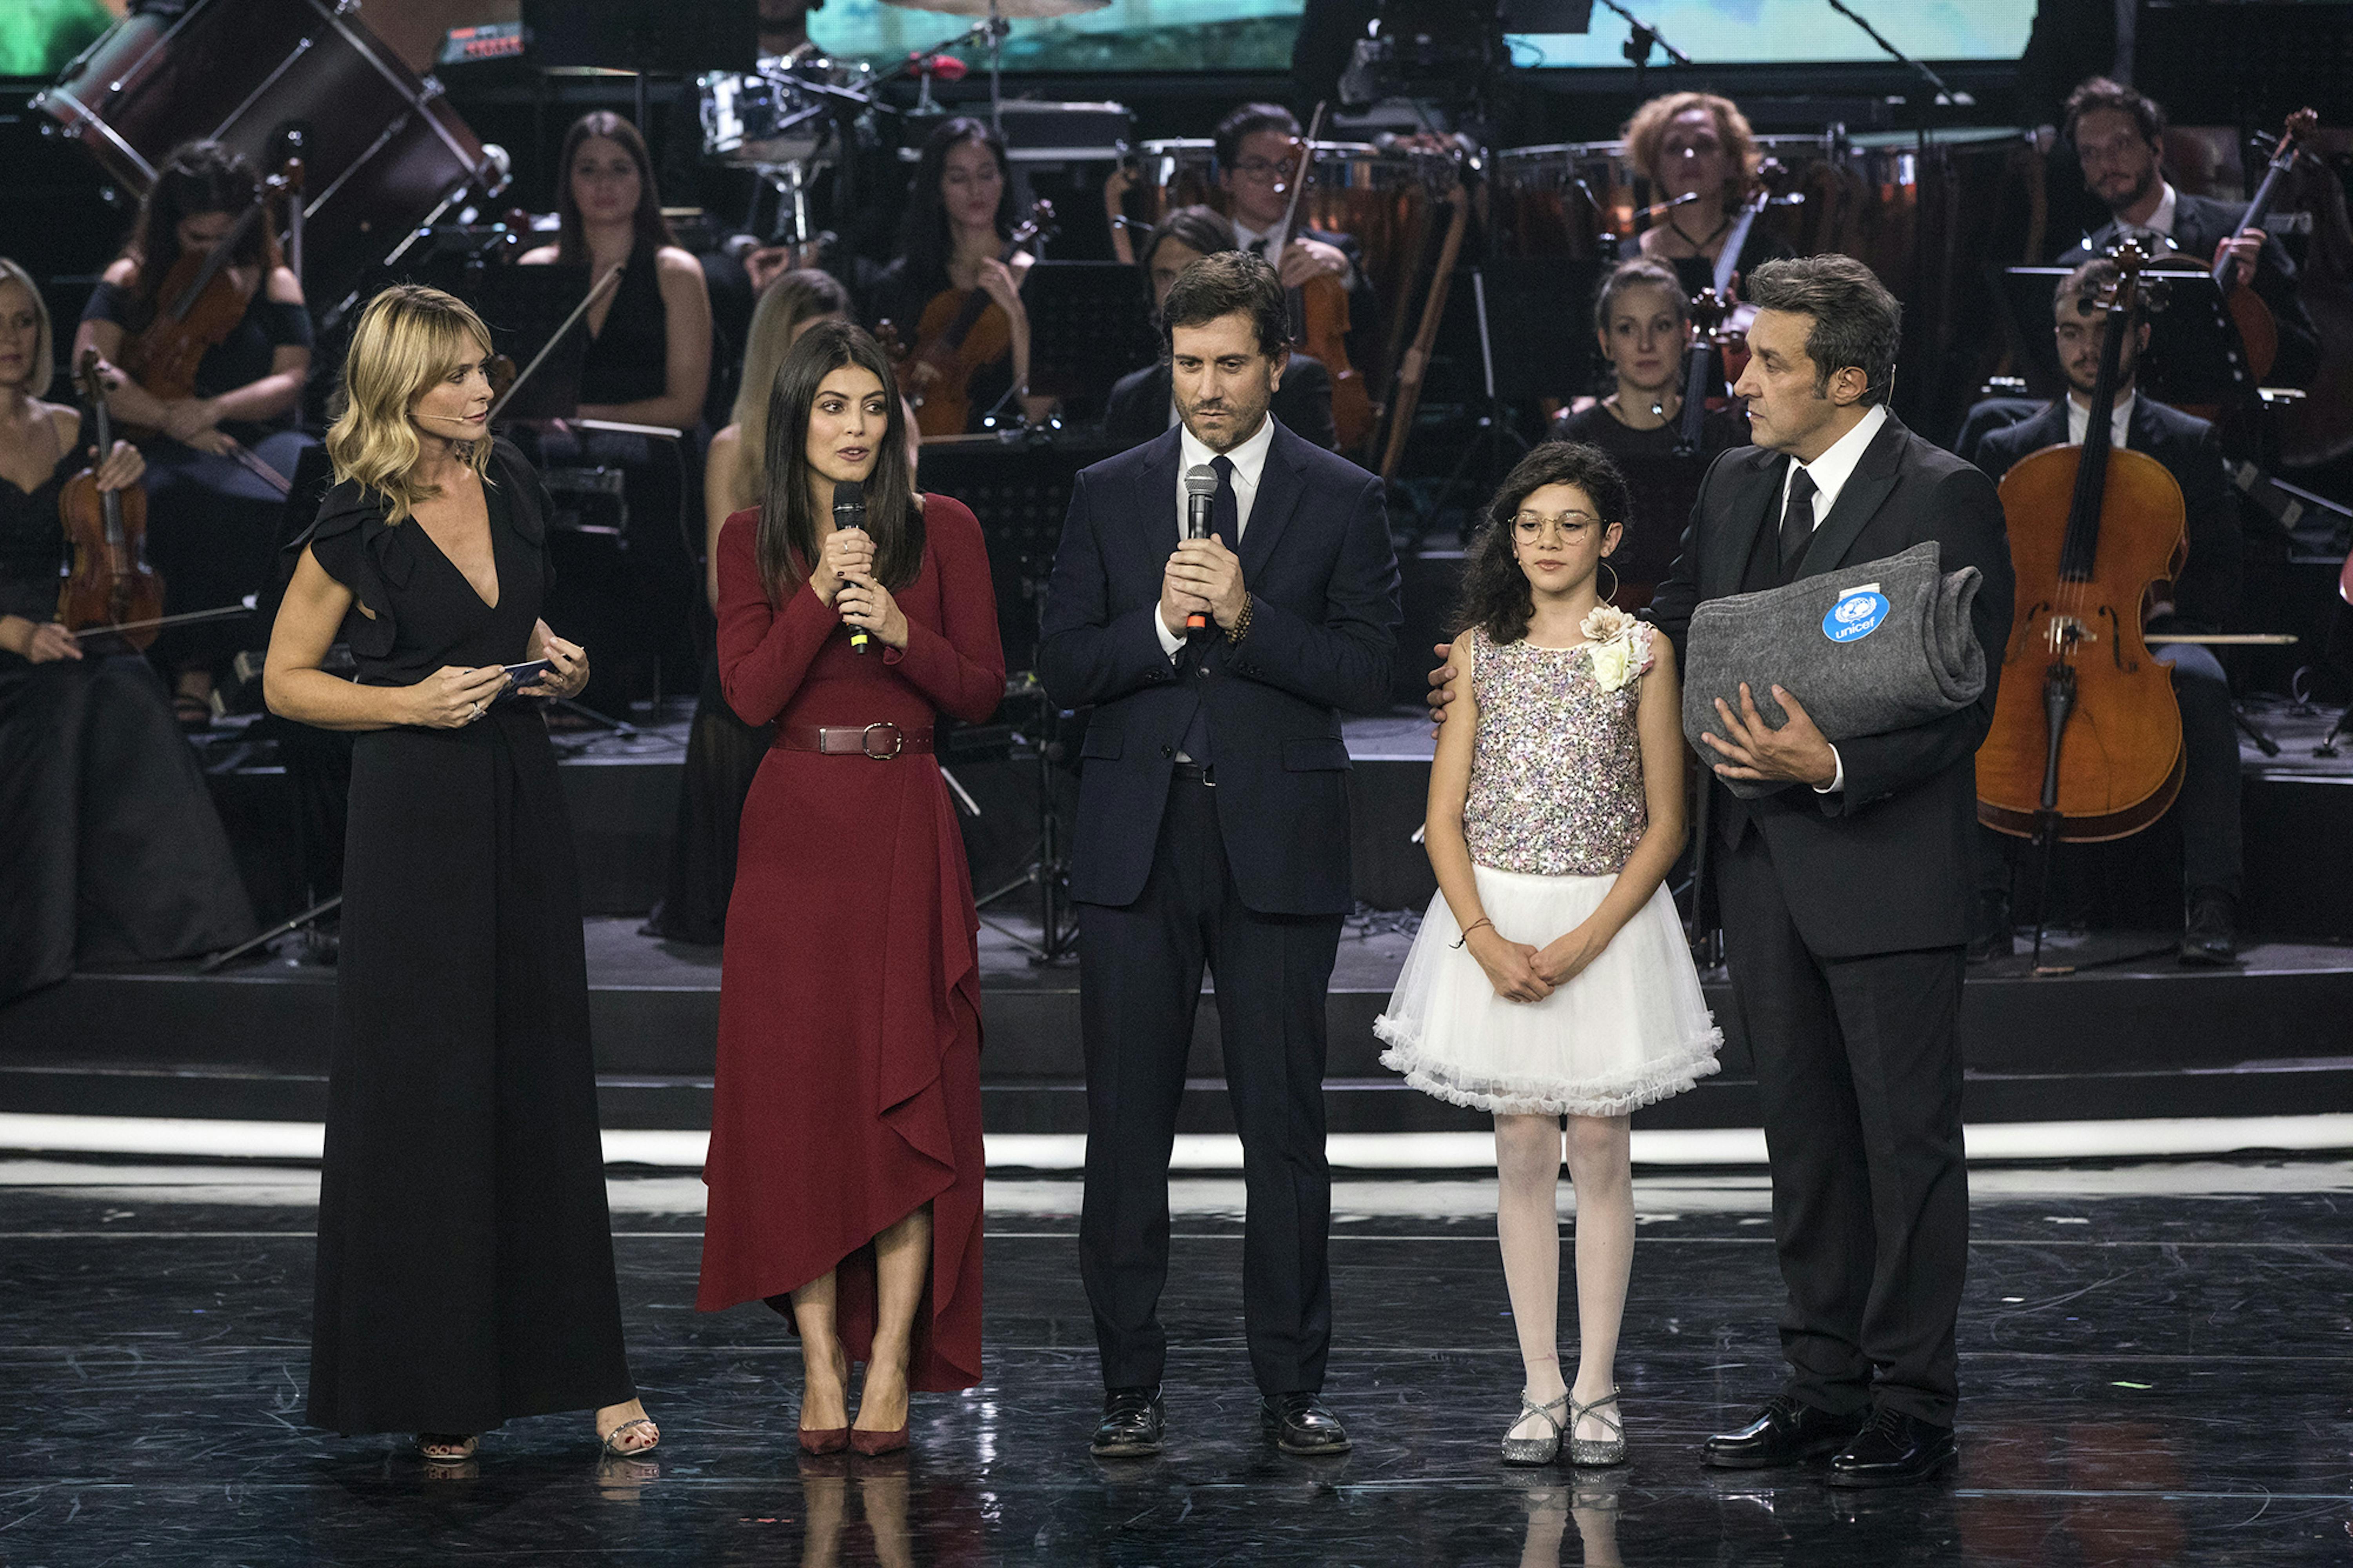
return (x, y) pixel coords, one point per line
(879, 743)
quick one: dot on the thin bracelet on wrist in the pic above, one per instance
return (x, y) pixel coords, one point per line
(1474, 925)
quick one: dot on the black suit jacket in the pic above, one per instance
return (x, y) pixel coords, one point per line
(1315, 557)
(1887, 864)
(2201, 223)
(2207, 593)
(1138, 408)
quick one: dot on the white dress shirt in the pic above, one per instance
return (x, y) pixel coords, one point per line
(2079, 419)
(1830, 473)
(1245, 236)
(1250, 462)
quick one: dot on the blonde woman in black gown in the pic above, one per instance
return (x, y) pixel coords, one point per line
(465, 1269)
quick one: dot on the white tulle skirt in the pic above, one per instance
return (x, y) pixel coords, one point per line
(1630, 1029)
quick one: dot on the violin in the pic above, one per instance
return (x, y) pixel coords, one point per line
(2086, 743)
(957, 335)
(1725, 314)
(1319, 316)
(110, 585)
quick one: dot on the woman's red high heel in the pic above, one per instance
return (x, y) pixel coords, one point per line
(873, 1445)
(827, 1440)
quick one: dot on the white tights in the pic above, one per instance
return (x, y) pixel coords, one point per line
(1527, 1222)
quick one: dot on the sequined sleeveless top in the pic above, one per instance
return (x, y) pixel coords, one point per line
(1557, 770)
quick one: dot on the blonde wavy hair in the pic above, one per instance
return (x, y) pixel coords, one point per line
(45, 343)
(1649, 128)
(801, 295)
(408, 338)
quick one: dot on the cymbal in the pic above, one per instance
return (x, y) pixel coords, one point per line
(1011, 10)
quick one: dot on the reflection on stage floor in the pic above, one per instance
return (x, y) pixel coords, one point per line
(2153, 1360)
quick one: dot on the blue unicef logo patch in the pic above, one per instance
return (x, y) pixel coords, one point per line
(1855, 617)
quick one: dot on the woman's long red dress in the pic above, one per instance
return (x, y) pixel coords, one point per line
(848, 1084)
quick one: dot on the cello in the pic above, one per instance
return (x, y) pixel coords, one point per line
(2086, 743)
(1319, 315)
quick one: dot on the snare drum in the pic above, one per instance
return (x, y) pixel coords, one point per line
(1181, 171)
(383, 151)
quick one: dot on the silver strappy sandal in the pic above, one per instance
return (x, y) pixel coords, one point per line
(1604, 1451)
(1535, 1450)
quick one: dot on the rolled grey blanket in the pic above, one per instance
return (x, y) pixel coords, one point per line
(1870, 648)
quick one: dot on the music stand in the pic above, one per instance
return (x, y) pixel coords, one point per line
(1089, 325)
(1019, 487)
(2193, 355)
(1541, 309)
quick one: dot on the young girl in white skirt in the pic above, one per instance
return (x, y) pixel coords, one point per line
(1551, 978)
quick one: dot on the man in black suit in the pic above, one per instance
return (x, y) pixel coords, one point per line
(1845, 895)
(1143, 404)
(2119, 138)
(2204, 597)
(1213, 826)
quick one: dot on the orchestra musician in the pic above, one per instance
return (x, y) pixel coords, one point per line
(2118, 134)
(1143, 403)
(113, 852)
(1642, 321)
(1696, 145)
(216, 517)
(959, 219)
(722, 752)
(2204, 598)
(648, 362)
(1261, 152)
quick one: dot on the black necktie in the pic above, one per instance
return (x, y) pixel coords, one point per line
(1257, 247)
(1225, 507)
(1797, 521)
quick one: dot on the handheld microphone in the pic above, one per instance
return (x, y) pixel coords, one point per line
(849, 511)
(1200, 493)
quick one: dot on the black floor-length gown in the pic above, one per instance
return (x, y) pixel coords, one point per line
(110, 851)
(465, 1253)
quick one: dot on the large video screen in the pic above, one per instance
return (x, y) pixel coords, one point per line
(38, 37)
(1256, 35)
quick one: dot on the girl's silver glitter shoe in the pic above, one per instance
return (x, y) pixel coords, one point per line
(1535, 1450)
(1605, 1451)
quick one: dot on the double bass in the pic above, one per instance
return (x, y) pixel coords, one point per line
(2086, 743)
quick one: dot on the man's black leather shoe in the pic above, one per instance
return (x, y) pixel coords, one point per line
(1894, 1450)
(1989, 931)
(1130, 1425)
(1300, 1425)
(2212, 935)
(1788, 1431)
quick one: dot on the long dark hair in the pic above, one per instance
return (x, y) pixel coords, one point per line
(1495, 595)
(923, 237)
(571, 241)
(786, 543)
(199, 177)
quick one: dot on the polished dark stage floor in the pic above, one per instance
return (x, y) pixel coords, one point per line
(2155, 1363)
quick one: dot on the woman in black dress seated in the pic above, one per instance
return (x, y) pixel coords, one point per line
(722, 752)
(1643, 324)
(111, 852)
(960, 213)
(648, 362)
(465, 1272)
(214, 518)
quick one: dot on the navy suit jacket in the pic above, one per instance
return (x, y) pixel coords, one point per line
(1316, 559)
(2206, 595)
(1887, 864)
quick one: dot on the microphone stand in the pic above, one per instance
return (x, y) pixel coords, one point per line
(1944, 94)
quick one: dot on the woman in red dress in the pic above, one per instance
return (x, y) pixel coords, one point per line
(845, 1164)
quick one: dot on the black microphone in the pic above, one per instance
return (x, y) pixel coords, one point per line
(849, 511)
(1201, 496)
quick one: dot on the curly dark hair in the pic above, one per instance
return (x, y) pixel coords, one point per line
(1495, 595)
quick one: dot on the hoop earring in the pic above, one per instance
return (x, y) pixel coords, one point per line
(1611, 596)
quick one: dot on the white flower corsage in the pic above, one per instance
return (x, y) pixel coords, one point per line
(1609, 632)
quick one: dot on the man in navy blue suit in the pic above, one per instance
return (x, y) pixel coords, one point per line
(1213, 828)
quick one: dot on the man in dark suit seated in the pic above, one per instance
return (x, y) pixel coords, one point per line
(2119, 137)
(1261, 154)
(1845, 894)
(1143, 404)
(2203, 600)
(1213, 826)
